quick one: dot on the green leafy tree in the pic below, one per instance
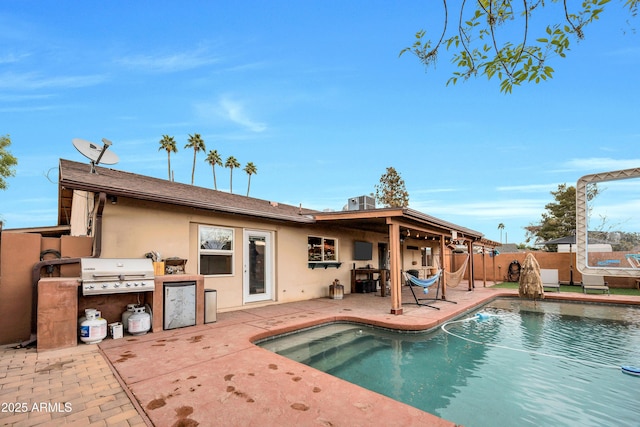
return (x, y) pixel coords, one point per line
(7, 161)
(231, 163)
(250, 169)
(391, 191)
(168, 143)
(214, 159)
(196, 142)
(559, 220)
(479, 49)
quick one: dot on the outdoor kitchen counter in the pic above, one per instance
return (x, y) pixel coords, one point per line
(57, 320)
(60, 302)
(157, 302)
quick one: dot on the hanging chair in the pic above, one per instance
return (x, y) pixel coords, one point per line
(453, 279)
(412, 281)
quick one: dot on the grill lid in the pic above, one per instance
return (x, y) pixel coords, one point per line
(116, 275)
(99, 269)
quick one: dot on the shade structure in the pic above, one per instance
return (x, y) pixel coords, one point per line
(530, 281)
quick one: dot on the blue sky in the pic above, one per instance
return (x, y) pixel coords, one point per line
(315, 95)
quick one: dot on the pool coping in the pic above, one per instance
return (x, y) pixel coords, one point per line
(228, 378)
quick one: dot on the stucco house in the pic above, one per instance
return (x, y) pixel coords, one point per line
(251, 251)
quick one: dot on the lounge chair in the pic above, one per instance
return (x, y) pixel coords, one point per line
(591, 282)
(550, 279)
(411, 280)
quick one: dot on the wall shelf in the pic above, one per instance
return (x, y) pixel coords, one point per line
(313, 265)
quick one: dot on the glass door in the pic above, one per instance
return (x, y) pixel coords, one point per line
(257, 266)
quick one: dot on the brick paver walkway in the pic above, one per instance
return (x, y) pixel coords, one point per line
(72, 387)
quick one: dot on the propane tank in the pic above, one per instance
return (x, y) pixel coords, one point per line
(94, 328)
(126, 315)
(139, 322)
(83, 318)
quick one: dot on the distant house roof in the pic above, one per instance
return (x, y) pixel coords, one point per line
(77, 176)
(508, 248)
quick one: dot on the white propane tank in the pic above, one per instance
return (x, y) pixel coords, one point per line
(94, 329)
(126, 315)
(139, 322)
(83, 318)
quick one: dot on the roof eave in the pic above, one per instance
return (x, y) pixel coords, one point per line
(82, 186)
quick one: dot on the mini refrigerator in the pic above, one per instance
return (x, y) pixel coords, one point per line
(179, 304)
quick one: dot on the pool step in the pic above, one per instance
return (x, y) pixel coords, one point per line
(326, 351)
(338, 358)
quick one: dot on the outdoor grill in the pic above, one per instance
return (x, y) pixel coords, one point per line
(116, 275)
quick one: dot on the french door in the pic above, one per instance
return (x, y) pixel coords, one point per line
(257, 266)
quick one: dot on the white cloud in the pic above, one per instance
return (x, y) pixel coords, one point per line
(11, 58)
(233, 111)
(29, 109)
(34, 81)
(168, 63)
(602, 164)
(494, 209)
(531, 188)
(432, 190)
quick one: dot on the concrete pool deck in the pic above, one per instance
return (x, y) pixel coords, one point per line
(214, 375)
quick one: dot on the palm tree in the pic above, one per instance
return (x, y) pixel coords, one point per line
(250, 169)
(501, 227)
(168, 143)
(214, 159)
(231, 163)
(195, 142)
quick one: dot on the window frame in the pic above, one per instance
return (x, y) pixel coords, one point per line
(217, 252)
(323, 256)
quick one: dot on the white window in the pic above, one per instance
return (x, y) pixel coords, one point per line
(322, 249)
(216, 250)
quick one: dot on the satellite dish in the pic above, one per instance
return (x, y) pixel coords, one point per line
(95, 152)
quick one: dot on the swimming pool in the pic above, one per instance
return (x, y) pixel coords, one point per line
(547, 363)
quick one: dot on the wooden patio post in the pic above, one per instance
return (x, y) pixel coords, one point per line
(470, 266)
(494, 265)
(484, 268)
(443, 276)
(394, 268)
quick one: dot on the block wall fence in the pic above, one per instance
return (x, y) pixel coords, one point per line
(496, 267)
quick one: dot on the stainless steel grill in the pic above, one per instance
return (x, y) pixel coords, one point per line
(116, 275)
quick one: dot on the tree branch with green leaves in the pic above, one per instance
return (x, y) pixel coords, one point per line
(476, 49)
(7, 161)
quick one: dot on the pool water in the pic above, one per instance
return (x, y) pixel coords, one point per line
(546, 363)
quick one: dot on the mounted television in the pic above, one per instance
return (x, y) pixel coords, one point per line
(362, 251)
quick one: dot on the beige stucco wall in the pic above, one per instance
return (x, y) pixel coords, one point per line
(131, 229)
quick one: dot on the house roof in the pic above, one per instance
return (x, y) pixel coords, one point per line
(77, 176)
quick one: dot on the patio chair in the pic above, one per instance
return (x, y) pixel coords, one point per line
(412, 281)
(592, 282)
(550, 279)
